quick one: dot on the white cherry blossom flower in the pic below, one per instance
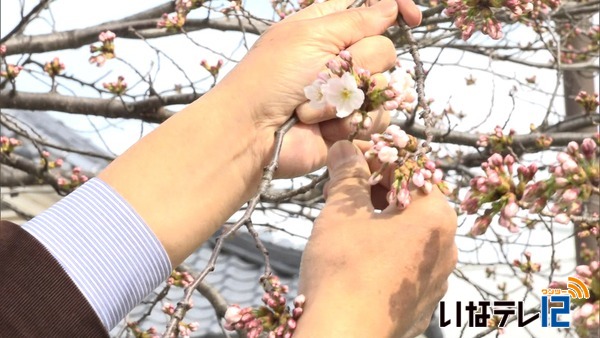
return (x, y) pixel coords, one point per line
(314, 93)
(343, 93)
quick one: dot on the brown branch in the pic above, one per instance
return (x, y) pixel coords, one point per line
(31, 168)
(489, 51)
(470, 139)
(209, 292)
(11, 177)
(19, 131)
(123, 29)
(148, 110)
(25, 20)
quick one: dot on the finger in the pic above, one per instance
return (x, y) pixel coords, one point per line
(377, 54)
(410, 12)
(317, 10)
(339, 129)
(345, 28)
(348, 190)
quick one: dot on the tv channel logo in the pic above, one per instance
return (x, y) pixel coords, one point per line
(557, 302)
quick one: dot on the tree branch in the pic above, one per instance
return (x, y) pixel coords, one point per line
(25, 20)
(29, 167)
(470, 139)
(124, 28)
(148, 110)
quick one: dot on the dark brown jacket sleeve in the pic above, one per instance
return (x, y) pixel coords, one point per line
(37, 297)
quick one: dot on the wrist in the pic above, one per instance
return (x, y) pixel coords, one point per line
(344, 314)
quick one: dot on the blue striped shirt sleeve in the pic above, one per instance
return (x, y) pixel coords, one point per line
(105, 247)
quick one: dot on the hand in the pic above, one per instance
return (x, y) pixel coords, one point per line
(374, 274)
(289, 56)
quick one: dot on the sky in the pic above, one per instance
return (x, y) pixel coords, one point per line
(446, 83)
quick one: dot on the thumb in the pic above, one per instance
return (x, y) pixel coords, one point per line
(349, 176)
(350, 26)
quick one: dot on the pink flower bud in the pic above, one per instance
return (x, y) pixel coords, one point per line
(193, 326)
(430, 165)
(495, 160)
(403, 198)
(291, 323)
(510, 210)
(391, 196)
(297, 312)
(588, 148)
(480, 226)
(563, 157)
(562, 218)
(400, 138)
(345, 55)
(356, 118)
(570, 195)
(388, 155)
(427, 187)
(438, 176)
(368, 122)
(586, 310)
(493, 178)
(418, 179)
(583, 271)
(299, 300)
(426, 173)
(334, 65)
(390, 105)
(233, 315)
(570, 167)
(573, 147)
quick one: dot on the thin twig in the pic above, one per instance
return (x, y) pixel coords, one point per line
(268, 174)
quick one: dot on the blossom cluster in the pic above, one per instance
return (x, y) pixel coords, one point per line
(284, 8)
(571, 182)
(496, 141)
(175, 21)
(212, 69)
(589, 102)
(181, 279)
(570, 54)
(50, 164)
(137, 332)
(356, 92)
(184, 329)
(395, 146)
(528, 267)
(54, 67)
(274, 317)
(11, 71)
(472, 15)
(586, 317)
(8, 144)
(232, 6)
(76, 179)
(105, 51)
(116, 87)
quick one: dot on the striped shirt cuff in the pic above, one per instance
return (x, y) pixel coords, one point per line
(105, 247)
